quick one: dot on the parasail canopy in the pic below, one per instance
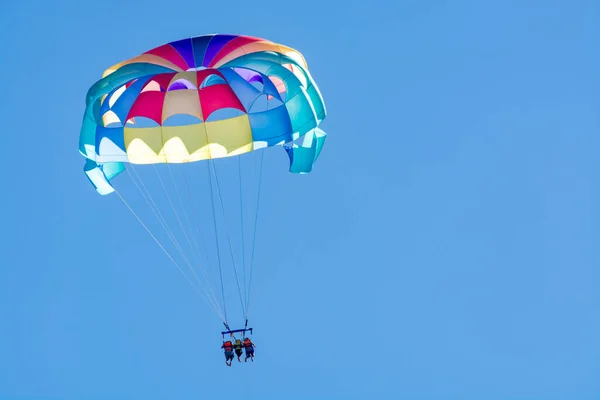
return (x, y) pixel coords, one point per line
(201, 98)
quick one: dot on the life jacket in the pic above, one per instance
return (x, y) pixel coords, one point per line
(247, 343)
(238, 344)
(228, 345)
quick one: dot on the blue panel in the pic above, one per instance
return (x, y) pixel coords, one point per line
(270, 88)
(104, 107)
(199, 45)
(115, 135)
(271, 126)
(317, 102)
(184, 48)
(301, 113)
(244, 91)
(112, 169)
(215, 45)
(100, 175)
(212, 80)
(120, 77)
(320, 136)
(302, 158)
(123, 104)
(87, 134)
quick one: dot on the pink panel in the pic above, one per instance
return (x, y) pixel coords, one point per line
(216, 97)
(163, 79)
(149, 105)
(169, 53)
(203, 73)
(232, 45)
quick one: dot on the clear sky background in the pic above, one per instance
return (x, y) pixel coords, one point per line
(444, 247)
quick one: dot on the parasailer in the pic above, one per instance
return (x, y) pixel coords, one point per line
(228, 349)
(249, 347)
(238, 348)
(184, 105)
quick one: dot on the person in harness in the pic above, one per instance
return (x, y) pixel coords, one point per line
(237, 346)
(249, 347)
(228, 348)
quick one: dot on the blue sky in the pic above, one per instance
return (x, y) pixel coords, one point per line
(443, 247)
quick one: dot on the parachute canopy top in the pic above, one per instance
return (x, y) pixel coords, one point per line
(202, 98)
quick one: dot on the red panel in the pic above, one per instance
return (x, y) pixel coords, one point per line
(169, 53)
(149, 105)
(216, 97)
(232, 45)
(203, 73)
(163, 79)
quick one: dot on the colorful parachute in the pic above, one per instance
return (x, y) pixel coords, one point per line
(191, 102)
(202, 98)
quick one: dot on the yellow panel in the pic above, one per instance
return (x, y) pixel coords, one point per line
(143, 145)
(182, 102)
(229, 136)
(231, 56)
(294, 55)
(195, 142)
(175, 151)
(263, 46)
(181, 141)
(144, 58)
